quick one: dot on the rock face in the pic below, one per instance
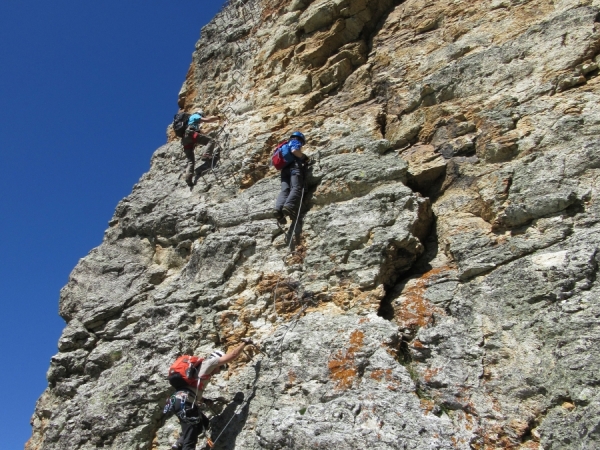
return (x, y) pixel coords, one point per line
(440, 288)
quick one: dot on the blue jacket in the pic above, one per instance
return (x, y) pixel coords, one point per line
(294, 144)
(194, 121)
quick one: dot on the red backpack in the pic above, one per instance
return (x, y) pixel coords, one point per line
(183, 373)
(281, 156)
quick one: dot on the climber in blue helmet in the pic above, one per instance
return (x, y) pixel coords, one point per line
(292, 179)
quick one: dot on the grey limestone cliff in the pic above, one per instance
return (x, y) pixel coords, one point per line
(440, 290)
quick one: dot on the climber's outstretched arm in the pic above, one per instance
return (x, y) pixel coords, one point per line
(235, 353)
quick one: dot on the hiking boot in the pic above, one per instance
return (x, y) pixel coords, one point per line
(277, 214)
(189, 181)
(287, 211)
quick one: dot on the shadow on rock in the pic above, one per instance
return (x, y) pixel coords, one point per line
(206, 167)
(226, 427)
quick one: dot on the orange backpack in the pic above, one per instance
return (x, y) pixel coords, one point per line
(183, 373)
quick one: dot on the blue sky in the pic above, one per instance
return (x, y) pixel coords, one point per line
(87, 90)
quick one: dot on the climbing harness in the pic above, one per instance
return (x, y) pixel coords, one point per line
(181, 405)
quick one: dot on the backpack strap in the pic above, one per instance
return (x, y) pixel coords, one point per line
(199, 382)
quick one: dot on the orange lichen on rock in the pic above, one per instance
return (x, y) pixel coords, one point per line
(231, 329)
(427, 405)
(292, 377)
(350, 297)
(283, 291)
(568, 406)
(270, 10)
(188, 96)
(413, 310)
(430, 373)
(256, 165)
(508, 437)
(531, 445)
(299, 253)
(380, 374)
(487, 374)
(520, 427)
(342, 366)
(233, 326)
(268, 282)
(417, 344)
(468, 423)
(386, 374)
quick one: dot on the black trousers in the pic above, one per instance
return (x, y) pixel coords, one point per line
(292, 182)
(189, 429)
(189, 435)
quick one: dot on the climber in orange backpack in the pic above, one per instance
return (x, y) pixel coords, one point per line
(189, 375)
(187, 127)
(288, 158)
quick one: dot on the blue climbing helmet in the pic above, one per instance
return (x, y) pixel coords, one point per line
(299, 136)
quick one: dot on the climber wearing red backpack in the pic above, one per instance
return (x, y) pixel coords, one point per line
(189, 375)
(288, 158)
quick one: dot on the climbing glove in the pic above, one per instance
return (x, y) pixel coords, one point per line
(247, 341)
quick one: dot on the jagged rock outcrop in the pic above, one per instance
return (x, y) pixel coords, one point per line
(440, 289)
